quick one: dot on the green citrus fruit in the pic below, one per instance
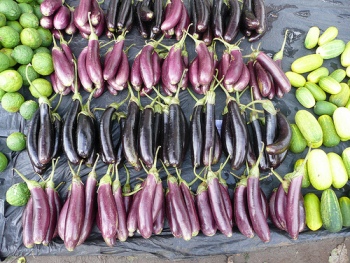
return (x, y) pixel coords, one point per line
(26, 8)
(42, 63)
(37, 11)
(12, 101)
(9, 37)
(3, 162)
(4, 62)
(40, 87)
(8, 53)
(10, 80)
(2, 93)
(42, 50)
(22, 54)
(16, 141)
(10, 9)
(28, 108)
(30, 37)
(29, 20)
(2, 20)
(31, 74)
(15, 25)
(46, 36)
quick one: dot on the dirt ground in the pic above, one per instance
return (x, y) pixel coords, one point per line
(333, 250)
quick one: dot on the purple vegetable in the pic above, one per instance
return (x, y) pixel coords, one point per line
(49, 7)
(62, 18)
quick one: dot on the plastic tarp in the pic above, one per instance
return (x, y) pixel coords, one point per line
(296, 16)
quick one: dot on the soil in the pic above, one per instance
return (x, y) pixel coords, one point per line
(333, 250)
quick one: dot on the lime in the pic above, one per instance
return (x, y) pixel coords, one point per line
(46, 36)
(29, 20)
(12, 101)
(16, 141)
(37, 11)
(2, 20)
(42, 63)
(31, 38)
(23, 54)
(9, 37)
(10, 9)
(40, 87)
(26, 8)
(15, 25)
(28, 108)
(25, 1)
(3, 162)
(32, 74)
(8, 52)
(42, 50)
(4, 62)
(10, 80)
(2, 93)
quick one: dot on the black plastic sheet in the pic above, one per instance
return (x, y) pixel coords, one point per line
(296, 16)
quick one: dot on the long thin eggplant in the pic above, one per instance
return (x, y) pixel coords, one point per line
(272, 210)
(131, 221)
(158, 16)
(232, 27)
(218, 18)
(145, 140)
(85, 134)
(106, 135)
(111, 15)
(122, 232)
(210, 129)
(123, 12)
(171, 20)
(27, 225)
(197, 135)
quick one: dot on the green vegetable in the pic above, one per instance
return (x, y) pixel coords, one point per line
(319, 169)
(18, 194)
(312, 206)
(330, 211)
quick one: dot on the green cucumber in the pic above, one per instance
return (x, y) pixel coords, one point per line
(338, 74)
(306, 181)
(307, 63)
(324, 108)
(330, 136)
(311, 39)
(328, 35)
(309, 128)
(346, 160)
(331, 49)
(298, 143)
(329, 85)
(296, 80)
(340, 99)
(319, 169)
(316, 91)
(305, 97)
(312, 206)
(344, 203)
(345, 56)
(339, 173)
(330, 211)
(315, 75)
(341, 119)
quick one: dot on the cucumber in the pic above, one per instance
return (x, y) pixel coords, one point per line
(346, 160)
(330, 136)
(319, 169)
(341, 119)
(331, 49)
(315, 75)
(338, 74)
(329, 85)
(296, 80)
(330, 211)
(316, 91)
(305, 97)
(347, 70)
(309, 128)
(324, 107)
(340, 99)
(345, 56)
(344, 204)
(306, 181)
(328, 35)
(298, 142)
(339, 173)
(307, 63)
(311, 39)
(312, 206)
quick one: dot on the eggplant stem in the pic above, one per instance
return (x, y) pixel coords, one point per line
(59, 103)
(59, 185)
(198, 175)
(117, 105)
(279, 54)
(277, 175)
(127, 175)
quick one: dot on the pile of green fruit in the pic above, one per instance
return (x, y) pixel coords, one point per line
(25, 57)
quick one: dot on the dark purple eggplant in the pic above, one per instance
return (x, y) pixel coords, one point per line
(203, 15)
(227, 136)
(124, 9)
(253, 82)
(197, 135)
(260, 13)
(158, 16)
(69, 130)
(232, 27)
(145, 140)
(209, 129)
(143, 29)
(283, 138)
(263, 79)
(146, 13)
(280, 204)
(111, 16)
(106, 135)
(218, 19)
(85, 134)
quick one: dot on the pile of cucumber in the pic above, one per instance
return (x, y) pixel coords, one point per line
(324, 121)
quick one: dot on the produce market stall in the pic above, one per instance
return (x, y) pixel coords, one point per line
(296, 17)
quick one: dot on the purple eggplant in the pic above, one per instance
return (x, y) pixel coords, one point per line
(27, 225)
(132, 220)
(49, 7)
(172, 18)
(61, 18)
(122, 232)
